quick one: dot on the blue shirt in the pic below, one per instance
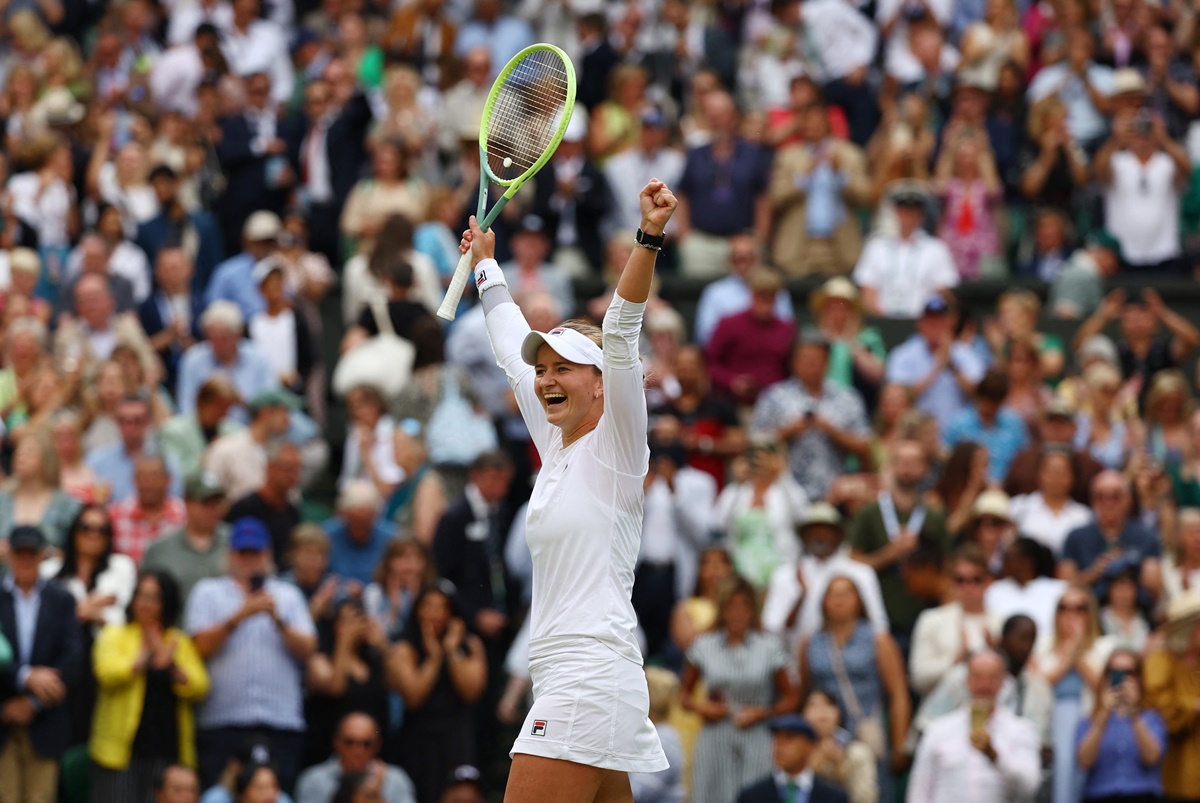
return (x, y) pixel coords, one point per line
(1003, 439)
(25, 615)
(505, 37)
(114, 466)
(910, 363)
(354, 561)
(1118, 770)
(824, 209)
(233, 281)
(722, 195)
(1086, 544)
(255, 680)
(729, 296)
(250, 374)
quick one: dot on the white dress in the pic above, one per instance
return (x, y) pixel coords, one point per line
(584, 527)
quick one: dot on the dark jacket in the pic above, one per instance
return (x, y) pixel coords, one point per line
(151, 318)
(460, 551)
(767, 791)
(593, 203)
(58, 644)
(246, 188)
(160, 232)
(594, 69)
(345, 145)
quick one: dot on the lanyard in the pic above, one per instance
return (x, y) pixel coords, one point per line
(891, 522)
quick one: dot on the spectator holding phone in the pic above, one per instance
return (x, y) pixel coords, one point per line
(1120, 720)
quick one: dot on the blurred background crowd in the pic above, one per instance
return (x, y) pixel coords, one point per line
(925, 453)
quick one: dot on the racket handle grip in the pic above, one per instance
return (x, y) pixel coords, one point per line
(454, 292)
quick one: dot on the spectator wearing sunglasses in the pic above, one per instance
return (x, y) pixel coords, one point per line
(355, 751)
(945, 636)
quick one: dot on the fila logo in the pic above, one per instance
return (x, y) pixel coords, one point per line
(539, 727)
(480, 277)
(557, 331)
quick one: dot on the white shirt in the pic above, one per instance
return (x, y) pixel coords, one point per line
(187, 17)
(675, 525)
(948, 769)
(315, 160)
(126, 260)
(1037, 600)
(905, 273)
(276, 336)
(262, 47)
(46, 211)
(899, 61)
(1036, 520)
(175, 77)
(784, 503)
(137, 204)
(119, 580)
(1141, 208)
(840, 38)
(937, 640)
(584, 524)
(626, 169)
(784, 591)
(383, 454)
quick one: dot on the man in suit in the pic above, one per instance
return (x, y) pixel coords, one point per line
(170, 317)
(598, 59)
(792, 780)
(196, 232)
(253, 158)
(38, 619)
(327, 152)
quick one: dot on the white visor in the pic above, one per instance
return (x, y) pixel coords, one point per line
(566, 343)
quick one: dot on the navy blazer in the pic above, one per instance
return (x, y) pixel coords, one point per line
(345, 145)
(767, 791)
(461, 557)
(158, 232)
(58, 644)
(246, 189)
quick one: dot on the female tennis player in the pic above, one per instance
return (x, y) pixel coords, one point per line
(581, 395)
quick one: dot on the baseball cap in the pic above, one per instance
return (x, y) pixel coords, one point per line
(249, 534)
(909, 197)
(262, 225)
(276, 397)
(1105, 239)
(573, 346)
(27, 537)
(936, 305)
(202, 486)
(793, 723)
(820, 513)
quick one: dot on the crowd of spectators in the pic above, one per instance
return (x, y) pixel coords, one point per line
(247, 558)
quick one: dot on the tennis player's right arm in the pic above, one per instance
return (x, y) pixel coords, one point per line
(506, 328)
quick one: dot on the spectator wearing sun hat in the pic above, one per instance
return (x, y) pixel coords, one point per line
(1171, 689)
(857, 353)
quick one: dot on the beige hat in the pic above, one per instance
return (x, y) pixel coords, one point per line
(1127, 81)
(837, 287)
(58, 107)
(820, 513)
(992, 503)
(262, 225)
(24, 260)
(1183, 610)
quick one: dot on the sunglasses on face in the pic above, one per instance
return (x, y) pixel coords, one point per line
(1076, 608)
(94, 529)
(968, 579)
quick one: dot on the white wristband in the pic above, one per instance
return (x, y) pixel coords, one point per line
(488, 275)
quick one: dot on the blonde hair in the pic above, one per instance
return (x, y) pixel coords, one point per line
(1039, 115)
(589, 330)
(1092, 631)
(1100, 373)
(1027, 300)
(663, 687)
(305, 535)
(1166, 383)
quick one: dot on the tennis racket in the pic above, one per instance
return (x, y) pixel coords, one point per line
(525, 117)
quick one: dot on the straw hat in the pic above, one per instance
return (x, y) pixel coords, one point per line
(820, 513)
(1184, 610)
(992, 503)
(837, 287)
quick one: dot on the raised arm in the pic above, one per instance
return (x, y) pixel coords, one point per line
(658, 204)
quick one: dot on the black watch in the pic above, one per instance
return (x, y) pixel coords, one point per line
(654, 243)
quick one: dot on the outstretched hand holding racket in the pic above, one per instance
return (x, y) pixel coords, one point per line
(525, 117)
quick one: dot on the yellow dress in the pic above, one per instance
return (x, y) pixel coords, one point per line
(1173, 689)
(703, 613)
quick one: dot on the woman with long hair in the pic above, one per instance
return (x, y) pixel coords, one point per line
(1101, 429)
(405, 568)
(1181, 565)
(967, 182)
(746, 672)
(440, 669)
(1028, 395)
(150, 675)
(367, 274)
(580, 391)
(390, 190)
(863, 670)
(1072, 661)
(33, 494)
(76, 477)
(257, 783)
(1167, 415)
(963, 478)
(102, 583)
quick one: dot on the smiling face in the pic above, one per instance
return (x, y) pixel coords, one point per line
(572, 394)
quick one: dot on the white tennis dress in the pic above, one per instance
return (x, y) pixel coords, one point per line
(590, 703)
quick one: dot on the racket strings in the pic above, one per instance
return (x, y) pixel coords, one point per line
(527, 113)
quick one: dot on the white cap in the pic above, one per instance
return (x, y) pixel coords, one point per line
(572, 346)
(262, 225)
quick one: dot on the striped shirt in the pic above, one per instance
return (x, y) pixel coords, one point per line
(255, 681)
(134, 531)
